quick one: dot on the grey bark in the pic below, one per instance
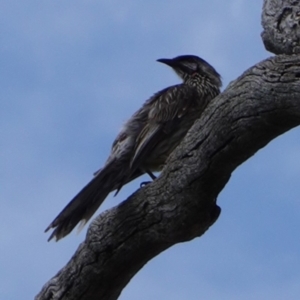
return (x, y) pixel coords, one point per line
(180, 205)
(281, 23)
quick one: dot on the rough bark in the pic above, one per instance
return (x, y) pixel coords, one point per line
(180, 205)
(281, 23)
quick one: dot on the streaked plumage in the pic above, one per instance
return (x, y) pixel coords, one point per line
(147, 138)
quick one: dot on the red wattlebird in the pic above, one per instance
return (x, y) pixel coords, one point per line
(146, 139)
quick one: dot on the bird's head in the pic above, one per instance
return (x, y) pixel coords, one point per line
(190, 65)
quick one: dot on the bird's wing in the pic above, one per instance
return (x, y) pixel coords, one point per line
(124, 142)
(167, 107)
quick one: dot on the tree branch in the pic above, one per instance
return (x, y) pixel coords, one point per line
(181, 204)
(281, 23)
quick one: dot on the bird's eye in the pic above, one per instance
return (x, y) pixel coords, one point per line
(193, 67)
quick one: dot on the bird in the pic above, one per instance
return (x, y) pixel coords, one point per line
(146, 140)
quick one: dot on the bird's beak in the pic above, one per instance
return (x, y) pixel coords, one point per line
(167, 61)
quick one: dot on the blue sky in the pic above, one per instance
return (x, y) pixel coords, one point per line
(71, 73)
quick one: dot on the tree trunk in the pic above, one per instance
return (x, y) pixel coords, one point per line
(180, 205)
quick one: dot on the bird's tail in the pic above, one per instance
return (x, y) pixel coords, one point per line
(84, 204)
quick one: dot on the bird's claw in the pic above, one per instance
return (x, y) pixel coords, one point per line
(144, 183)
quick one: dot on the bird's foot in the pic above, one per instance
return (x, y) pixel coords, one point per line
(144, 183)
